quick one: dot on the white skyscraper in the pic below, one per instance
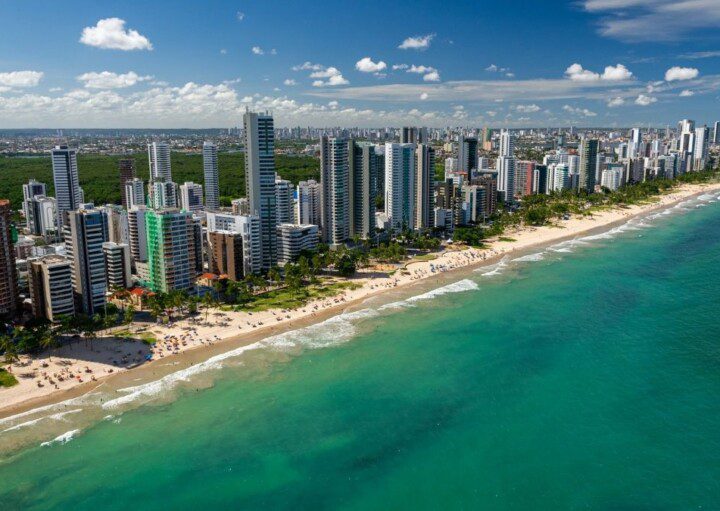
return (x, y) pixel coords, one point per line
(308, 203)
(191, 196)
(400, 185)
(159, 161)
(507, 144)
(30, 190)
(335, 193)
(260, 179)
(68, 194)
(135, 193)
(505, 166)
(284, 197)
(212, 183)
(137, 233)
(635, 141)
(163, 194)
(700, 152)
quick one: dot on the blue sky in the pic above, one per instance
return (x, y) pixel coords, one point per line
(500, 63)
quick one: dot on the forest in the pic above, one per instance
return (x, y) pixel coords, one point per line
(99, 176)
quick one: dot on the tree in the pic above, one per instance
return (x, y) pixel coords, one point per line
(346, 265)
(129, 314)
(208, 301)
(9, 348)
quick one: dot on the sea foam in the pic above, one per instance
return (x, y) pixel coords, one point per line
(62, 439)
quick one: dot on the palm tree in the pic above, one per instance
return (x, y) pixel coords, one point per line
(208, 301)
(8, 346)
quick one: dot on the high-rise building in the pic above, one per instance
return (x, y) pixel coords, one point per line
(240, 206)
(30, 190)
(400, 185)
(163, 194)
(611, 178)
(716, 133)
(226, 254)
(41, 216)
(126, 167)
(170, 250)
(335, 193)
(308, 202)
(9, 298)
(212, 182)
(285, 201)
(424, 186)
(191, 196)
(700, 152)
(137, 233)
(68, 194)
(117, 222)
(635, 143)
(117, 265)
(363, 165)
(159, 161)
(294, 239)
(51, 288)
(85, 233)
(260, 179)
(507, 144)
(134, 193)
(408, 135)
(588, 164)
(468, 155)
(506, 178)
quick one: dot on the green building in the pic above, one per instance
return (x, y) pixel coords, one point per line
(170, 250)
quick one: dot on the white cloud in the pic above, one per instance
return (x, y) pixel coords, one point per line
(110, 80)
(579, 111)
(333, 104)
(616, 73)
(424, 96)
(417, 42)
(399, 66)
(686, 93)
(432, 76)
(615, 102)
(257, 50)
(677, 73)
(333, 75)
(110, 34)
(492, 68)
(21, 79)
(223, 51)
(700, 55)
(510, 75)
(273, 51)
(644, 100)
(55, 89)
(307, 66)
(654, 20)
(290, 82)
(611, 74)
(366, 65)
(240, 15)
(527, 108)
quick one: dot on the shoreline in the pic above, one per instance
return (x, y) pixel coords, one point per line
(235, 330)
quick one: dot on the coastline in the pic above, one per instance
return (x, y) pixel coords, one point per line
(26, 396)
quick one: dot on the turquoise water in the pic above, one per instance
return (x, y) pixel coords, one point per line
(586, 376)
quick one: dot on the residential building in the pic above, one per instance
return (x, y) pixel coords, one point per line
(159, 161)
(335, 193)
(212, 179)
(308, 203)
(702, 146)
(294, 239)
(117, 265)
(117, 222)
(134, 193)
(424, 186)
(137, 233)
(191, 197)
(68, 195)
(163, 194)
(126, 169)
(248, 226)
(51, 287)
(260, 180)
(468, 154)
(170, 250)
(41, 216)
(9, 298)
(85, 232)
(588, 164)
(31, 189)
(226, 254)
(400, 185)
(363, 168)
(285, 201)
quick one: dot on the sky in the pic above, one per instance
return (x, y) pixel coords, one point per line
(509, 63)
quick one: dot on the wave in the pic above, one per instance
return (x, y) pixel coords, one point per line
(62, 439)
(539, 256)
(495, 269)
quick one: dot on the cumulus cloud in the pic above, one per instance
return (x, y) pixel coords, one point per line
(110, 80)
(677, 73)
(611, 74)
(290, 82)
(333, 75)
(307, 66)
(399, 66)
(420, 42)
(430, 74)
(615, 102)
(110, 34)
(527, 108)
(366, 65)
(579, 111)
(644, 100)
(21, 79)
(424, 96)
(686, 93)
(240, 15)
(257, 50)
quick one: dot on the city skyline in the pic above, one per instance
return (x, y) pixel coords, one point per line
(585, 63)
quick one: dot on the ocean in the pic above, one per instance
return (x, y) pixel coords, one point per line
(585, 375)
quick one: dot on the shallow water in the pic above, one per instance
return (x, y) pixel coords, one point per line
(584, 375)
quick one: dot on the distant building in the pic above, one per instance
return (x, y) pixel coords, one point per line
(240, 206)
(294, 239)
(41, 216)
(163, 194)
(285, 201)
(31, 189)
(126, 168)
(159, 161)
(117, 265)
(137, 233)
(68, 194)
(134, 193)
(51, 288)
(117, 222)
(611, 178)
(212, 182)
(468, 154)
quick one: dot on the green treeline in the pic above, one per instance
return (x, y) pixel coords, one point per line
(100, 179)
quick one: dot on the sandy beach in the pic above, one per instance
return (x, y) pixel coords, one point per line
(76, 369)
